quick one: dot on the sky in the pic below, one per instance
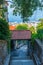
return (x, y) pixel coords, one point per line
(12, 18)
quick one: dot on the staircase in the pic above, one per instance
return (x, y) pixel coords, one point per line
(21, 61)
(20, 57)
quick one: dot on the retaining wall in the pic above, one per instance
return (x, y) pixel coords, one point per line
(3, 51)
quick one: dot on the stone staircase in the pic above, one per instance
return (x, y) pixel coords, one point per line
(20, 57)
(21, 61)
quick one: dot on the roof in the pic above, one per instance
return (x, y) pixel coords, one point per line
(11, 27)
(21, 34)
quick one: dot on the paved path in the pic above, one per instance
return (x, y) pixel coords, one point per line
(19, 57)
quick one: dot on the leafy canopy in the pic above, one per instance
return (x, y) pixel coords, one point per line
(25, 8)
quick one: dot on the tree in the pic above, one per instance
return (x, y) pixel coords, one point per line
(4, 30)
(1, 2)
(40, 25)
(22, 27)
(34, 35)
(2, 8)
(40, 30)
(25, 8)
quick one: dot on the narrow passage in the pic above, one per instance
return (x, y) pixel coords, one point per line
(20, 57)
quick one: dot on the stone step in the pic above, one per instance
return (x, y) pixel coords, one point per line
(17, 58)
(22, 62)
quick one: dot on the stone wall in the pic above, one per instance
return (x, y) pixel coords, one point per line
(38, 50)
(3, 51)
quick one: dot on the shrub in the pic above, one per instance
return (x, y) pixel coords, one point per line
(22, 27)
(4, 31)
(40, 30)
(40, 34)
(32, 29)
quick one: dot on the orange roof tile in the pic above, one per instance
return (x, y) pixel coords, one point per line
(11, 27)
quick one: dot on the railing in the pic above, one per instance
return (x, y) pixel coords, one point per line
(38, 52)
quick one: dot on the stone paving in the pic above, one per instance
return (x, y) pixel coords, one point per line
(19, 57)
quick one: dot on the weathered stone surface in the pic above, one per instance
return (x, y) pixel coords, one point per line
(3, 51)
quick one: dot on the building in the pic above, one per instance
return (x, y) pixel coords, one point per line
(11, 27)
(20, 35)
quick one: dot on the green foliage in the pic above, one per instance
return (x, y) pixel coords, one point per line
(25, 7)
(1, 1)
(32, 29)
(34, 34)
(4, 30)
(2, 8)
(22, 27)
(41, 19)
(40, 25)
(2, 13)
(40, 33)
(40, 30)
